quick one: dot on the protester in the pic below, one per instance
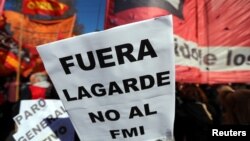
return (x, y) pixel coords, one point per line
(223, 92)
(2, 96)
(237, 107)
(36, 88)
(11, 85)
(193, 115)
(211, 92)
(10, 99)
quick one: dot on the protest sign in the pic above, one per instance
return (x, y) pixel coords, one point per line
(44, 120)
(117, 84)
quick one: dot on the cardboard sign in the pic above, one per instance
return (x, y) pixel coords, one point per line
(44, 120)
(117, 84)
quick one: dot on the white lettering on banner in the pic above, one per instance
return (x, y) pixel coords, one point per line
(211, 58)
(131, 84)
(122, 51)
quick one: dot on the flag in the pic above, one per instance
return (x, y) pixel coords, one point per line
(211, 37)
(3, 70)
(37, 32)
(44, 7)
(9, 62)
(4, 49)
(9, 55)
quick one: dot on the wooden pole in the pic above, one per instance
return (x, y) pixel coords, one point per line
(72, 26)
(20, 44)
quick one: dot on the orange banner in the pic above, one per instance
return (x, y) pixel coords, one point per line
(37, 32)
(44, 7)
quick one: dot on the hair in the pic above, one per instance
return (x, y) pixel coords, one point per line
(237, 106)
(193, 92)
(223, 92)
(38, 77)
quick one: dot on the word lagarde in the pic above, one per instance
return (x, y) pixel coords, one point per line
(131, 84)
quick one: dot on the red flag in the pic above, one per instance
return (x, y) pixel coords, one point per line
(9, 55)
(44, 7)
(211, 37)
(3, 70)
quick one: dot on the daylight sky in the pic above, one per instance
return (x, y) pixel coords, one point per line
(90, 13)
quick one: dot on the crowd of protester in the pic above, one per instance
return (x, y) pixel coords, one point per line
(198, 106)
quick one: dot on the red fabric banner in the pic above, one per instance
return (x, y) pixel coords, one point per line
(36, 32)
(211, 37)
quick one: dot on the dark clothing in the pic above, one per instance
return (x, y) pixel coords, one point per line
(6, 122)
(191, 122)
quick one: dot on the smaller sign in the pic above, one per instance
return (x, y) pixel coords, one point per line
(42, 120)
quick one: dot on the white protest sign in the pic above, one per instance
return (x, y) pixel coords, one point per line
(117, 84)
(133, 121)
(43, 120)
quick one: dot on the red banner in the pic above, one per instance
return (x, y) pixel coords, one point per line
(9, 61)
(44, 7)
(211, 37)
(36, 32)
